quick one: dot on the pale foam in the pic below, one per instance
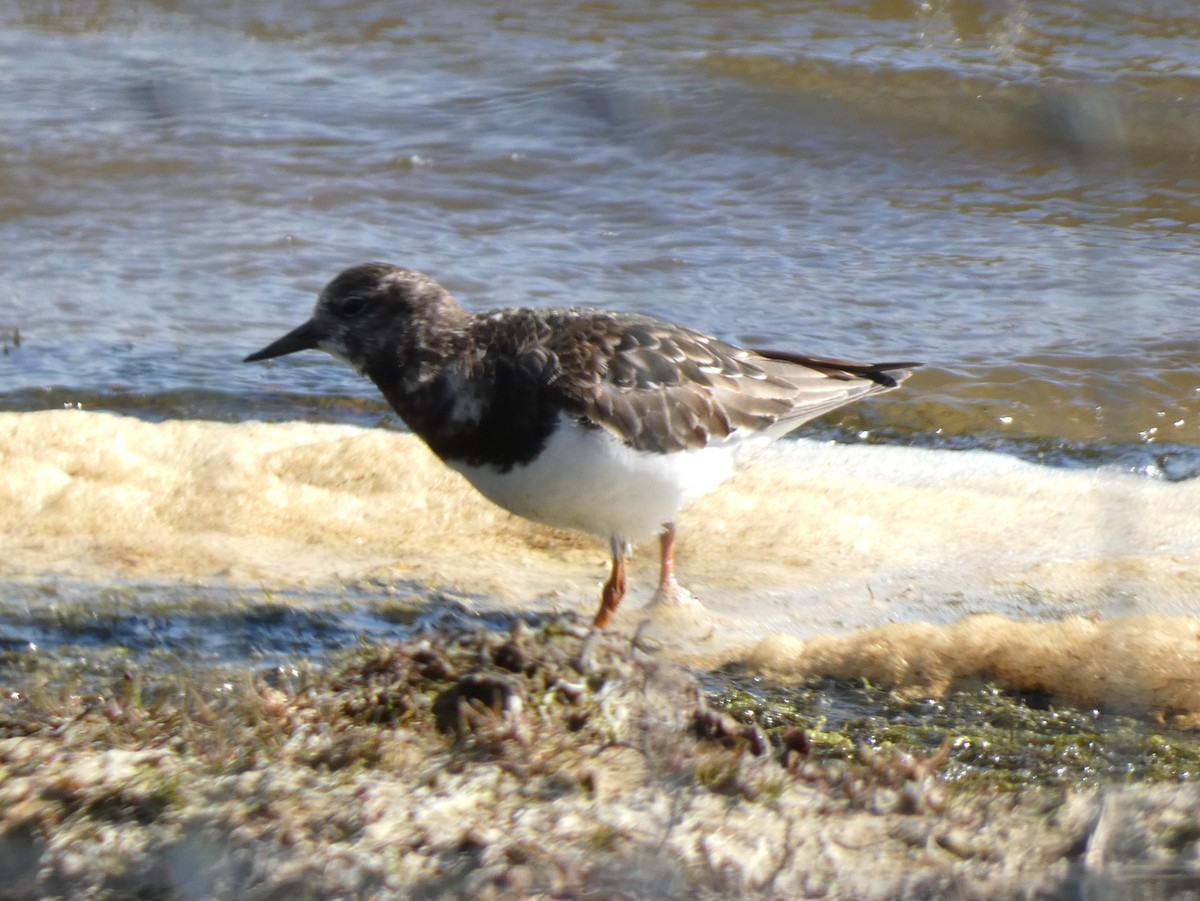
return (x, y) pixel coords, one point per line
(809, 540)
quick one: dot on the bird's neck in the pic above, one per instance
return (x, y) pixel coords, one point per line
(417, 375)
(466, 405)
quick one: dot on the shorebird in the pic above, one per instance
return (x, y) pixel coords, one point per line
(603, 422)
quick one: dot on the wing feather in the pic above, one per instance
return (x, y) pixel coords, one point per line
(662, 388)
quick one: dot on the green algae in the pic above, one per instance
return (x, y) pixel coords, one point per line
(996, 740)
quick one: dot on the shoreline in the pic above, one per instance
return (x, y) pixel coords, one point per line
(534, 761)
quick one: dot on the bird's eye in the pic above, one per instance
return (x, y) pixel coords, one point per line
(353, 306)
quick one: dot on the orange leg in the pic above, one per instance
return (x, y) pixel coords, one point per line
(614, 590)
(670, 592)
(666, 577)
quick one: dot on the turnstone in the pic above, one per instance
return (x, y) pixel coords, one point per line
(606, 423)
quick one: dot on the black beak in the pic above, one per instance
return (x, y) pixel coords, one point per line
(303, 337)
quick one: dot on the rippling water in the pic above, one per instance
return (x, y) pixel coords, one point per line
(1006, 190)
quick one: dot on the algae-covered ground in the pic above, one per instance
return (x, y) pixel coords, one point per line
(995, 740)
(535, 758)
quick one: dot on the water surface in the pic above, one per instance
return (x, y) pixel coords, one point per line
(1007, 191)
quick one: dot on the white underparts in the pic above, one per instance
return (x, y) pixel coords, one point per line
(587, 479)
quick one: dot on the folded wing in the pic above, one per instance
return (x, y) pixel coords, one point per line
(662, 388)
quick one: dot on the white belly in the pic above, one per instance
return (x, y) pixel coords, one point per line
(586, 479)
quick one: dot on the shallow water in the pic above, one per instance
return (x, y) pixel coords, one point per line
(1006, 191)
(195, 625)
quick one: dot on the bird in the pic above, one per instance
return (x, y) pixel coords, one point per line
(606, 423)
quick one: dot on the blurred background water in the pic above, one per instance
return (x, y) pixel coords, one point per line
(1007, 190)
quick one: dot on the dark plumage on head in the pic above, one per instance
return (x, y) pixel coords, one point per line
(371, 314)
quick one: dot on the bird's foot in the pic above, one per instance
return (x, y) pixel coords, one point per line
(672, 594)
(674, 618)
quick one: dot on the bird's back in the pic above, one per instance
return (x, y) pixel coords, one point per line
(663, 388)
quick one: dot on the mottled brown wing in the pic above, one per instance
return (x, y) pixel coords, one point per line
(663, 388)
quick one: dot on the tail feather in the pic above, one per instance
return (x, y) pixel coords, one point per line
(879, 373)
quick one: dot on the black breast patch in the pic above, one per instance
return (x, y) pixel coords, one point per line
(501, 416)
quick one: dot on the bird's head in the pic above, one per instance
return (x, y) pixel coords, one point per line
(369, 312)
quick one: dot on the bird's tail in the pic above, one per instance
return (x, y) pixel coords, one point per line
(885, 375)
